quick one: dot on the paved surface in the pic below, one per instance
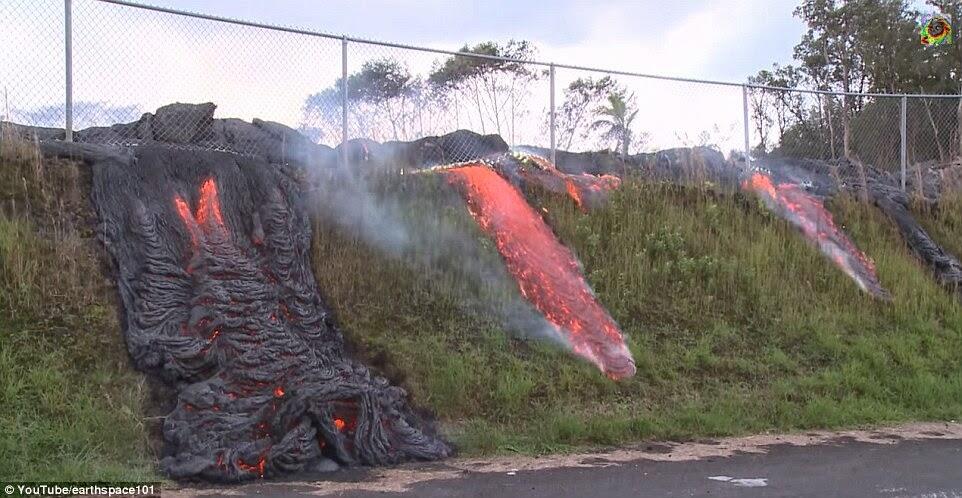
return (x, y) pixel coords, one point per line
(925, 461)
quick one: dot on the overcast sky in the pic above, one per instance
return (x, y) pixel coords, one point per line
(127, 61)
(721, 39)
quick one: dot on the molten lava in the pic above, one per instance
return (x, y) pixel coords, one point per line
(207, 217)
(807, 213)
(547, 273)
(208, 207)
(586, 190)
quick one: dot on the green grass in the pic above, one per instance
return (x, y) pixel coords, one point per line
(736, 325)
(72, 408)
(943, 221)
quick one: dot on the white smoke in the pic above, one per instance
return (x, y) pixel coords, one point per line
(375, 201)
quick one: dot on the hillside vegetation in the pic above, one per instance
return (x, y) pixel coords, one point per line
(72, 409)
(736, 325)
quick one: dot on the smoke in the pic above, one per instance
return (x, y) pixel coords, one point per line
(547, 273)
(808, 214)
(415, 217)
(349, 202)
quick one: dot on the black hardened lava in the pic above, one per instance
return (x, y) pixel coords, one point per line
(211, 252)
(219, 300)
(895, 204)
(827, 178)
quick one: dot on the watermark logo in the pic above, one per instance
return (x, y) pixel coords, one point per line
(935, 30)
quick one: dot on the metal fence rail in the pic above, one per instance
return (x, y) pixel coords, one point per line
(77, 64)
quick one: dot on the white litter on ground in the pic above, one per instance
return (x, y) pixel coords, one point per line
(754, 482)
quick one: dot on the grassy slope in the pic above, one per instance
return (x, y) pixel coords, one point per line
(71, 406)
(735, 323)
(943, 222)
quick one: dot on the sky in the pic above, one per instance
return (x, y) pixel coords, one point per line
(714, 39)
(128, 61)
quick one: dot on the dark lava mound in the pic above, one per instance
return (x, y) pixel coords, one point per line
(219, 301)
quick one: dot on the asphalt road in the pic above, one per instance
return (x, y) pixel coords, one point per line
(888, 464)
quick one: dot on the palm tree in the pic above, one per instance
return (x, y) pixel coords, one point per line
(615, 120)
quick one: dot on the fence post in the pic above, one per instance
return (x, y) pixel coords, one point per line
(902, 141)
(344, 101)
(748, 159)
(68, 63)
(554, 148)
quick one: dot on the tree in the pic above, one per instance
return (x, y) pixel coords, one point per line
(763, 104)
(779, 108)
(581, 98)
(493, 84)
(382, 95)
(615, 120)
(829, 49)
(321, 115)
(386, 87)
(869, 45)
(950, 63)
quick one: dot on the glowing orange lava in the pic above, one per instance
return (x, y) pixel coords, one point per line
(208, 207)
(339, 424)
(547, 273)
(183, 210)
(808, 213)
(586, 190)
(256, 468)
(208, 217)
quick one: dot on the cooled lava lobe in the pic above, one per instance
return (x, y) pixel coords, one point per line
(946, 267)
(212, 256)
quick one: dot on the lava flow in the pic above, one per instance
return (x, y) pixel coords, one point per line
(547, 273)
(221, 305)
(807, 213)
(586, 190)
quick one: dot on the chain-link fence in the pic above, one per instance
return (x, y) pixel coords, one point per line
(90, 69)
(898, 133)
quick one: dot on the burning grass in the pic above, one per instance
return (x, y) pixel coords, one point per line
(736, 324)
(72, 407)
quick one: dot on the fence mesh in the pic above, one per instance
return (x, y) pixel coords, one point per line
(865, 128)
(130, 60)
(32, 71)
(160, 58)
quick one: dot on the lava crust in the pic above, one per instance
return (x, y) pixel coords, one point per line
(219, 301)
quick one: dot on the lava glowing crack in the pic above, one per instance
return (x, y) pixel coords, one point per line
(224, 309)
